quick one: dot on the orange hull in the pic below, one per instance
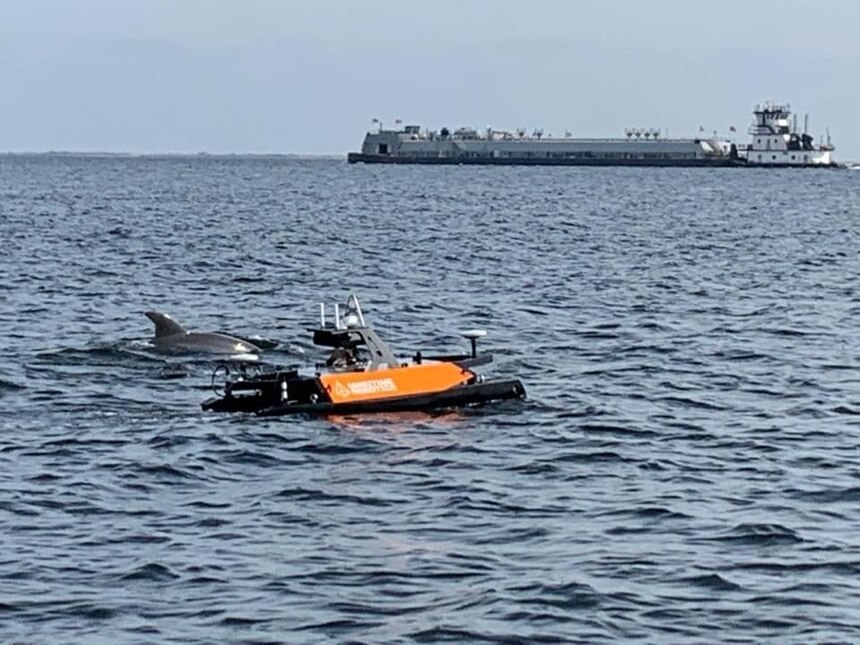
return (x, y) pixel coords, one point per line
(427, 378)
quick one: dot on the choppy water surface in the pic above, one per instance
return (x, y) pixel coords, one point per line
(686, 468)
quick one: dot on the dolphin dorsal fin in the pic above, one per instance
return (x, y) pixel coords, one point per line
(165, 325)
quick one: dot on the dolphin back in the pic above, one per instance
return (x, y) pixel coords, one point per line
(213, 343)
(165, 325)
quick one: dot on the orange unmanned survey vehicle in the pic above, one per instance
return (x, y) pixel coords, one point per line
(361, 374)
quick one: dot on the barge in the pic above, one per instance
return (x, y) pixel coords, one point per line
(775, 142)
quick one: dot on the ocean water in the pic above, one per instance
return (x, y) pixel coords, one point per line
(686, 467)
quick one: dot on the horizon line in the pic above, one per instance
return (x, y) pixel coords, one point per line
(202, 153)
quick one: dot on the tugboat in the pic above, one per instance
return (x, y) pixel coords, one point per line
(361, 375)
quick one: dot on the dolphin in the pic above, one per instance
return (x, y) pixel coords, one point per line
(170, 336)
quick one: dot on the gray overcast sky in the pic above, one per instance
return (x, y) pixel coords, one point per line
(307, 76)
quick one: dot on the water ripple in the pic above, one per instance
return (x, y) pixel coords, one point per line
(686, 464)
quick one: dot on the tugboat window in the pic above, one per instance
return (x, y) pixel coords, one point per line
(383, 148)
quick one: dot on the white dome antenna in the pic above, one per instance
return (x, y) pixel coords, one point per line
(473, 335)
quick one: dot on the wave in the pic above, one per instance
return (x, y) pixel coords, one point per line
(759, 535)
(152, 571)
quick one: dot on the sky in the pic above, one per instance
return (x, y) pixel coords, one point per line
(307, 76)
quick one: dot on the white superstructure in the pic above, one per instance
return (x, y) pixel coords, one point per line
(777, 141)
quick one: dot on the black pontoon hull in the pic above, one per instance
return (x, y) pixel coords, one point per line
(466, 395)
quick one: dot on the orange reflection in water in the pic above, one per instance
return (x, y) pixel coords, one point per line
(396, 422)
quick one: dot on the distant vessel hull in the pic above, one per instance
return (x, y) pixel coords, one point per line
(357, 157)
